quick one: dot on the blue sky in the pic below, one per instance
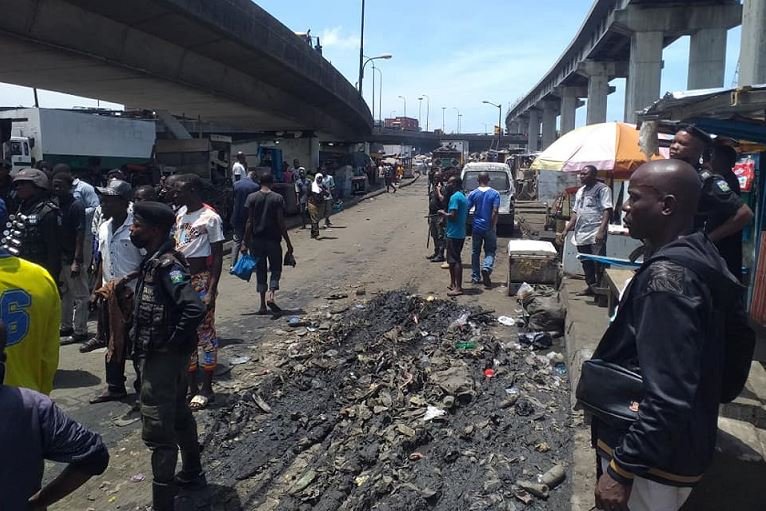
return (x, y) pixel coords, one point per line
(458, 53)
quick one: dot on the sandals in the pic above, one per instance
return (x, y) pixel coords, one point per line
(108, 396)
(92, 344)
(273, 306)
(200, 402)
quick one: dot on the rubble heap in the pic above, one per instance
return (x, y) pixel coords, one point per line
(404, 403)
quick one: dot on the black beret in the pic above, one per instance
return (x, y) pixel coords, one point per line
(155, 213)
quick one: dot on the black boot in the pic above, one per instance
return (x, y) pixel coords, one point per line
(163, 497)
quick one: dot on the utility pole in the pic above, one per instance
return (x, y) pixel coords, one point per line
(420, 106)
(428, 108)
(443, 109)
(361, 52)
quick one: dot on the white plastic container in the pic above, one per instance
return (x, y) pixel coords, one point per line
(532, 261)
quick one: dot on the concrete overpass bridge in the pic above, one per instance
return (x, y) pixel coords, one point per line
(625, 39)
(226, 62)
(428, 140)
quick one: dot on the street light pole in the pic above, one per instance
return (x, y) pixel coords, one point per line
(380, 94)
(373, 94)
(499, 107)
(361, 52)
(405, 104)
(428, 108)
(420, 106)
(458, 118)
(443, 109)
(385, 56)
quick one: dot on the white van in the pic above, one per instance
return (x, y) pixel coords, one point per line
(500, 179)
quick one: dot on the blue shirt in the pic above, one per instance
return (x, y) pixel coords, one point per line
(242, 189)
(85, 193)
(484, 203)
(456, 227)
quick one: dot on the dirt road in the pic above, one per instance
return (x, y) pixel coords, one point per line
(376, 246)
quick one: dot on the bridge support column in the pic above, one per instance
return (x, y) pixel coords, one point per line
(598, 91)
(550, 108)
(644, 72)
(707, 58)
(568, 109)
(533, 131)
(752, 56)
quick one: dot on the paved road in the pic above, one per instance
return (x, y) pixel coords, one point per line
(377, 245)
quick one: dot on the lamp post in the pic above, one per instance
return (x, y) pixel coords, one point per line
(443, 109)
(499, 117)
(428, 108)
(385, 56)
(380, 93)
(458, 118)
(405, 104)
(420, 105)
(361, 52)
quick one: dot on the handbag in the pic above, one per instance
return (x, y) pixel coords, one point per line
(610, 392)
(244, 267)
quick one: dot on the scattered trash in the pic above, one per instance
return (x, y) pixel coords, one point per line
(460, 322)
(137, 478)
(537, 489)
(361, 291)
(337, 296)
(524, 291)
(553, 477)
(560, 369)
(506, 320)
(546, 313)
(538, 340)
(380, 408)
(297, 321)
(235, 361)
(432, 413)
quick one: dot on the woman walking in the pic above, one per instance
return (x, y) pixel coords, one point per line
(317, 198)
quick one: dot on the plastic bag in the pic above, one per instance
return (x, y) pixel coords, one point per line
(524, 291)
(244, 267)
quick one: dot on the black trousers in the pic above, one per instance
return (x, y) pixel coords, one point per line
(592, 270)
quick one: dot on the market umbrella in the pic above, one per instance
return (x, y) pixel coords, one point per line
(609, 146)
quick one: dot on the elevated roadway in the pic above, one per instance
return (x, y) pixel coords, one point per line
(625, 38)
(224, 61)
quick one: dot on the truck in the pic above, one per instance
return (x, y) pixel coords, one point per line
(209, 158)
(77, 138)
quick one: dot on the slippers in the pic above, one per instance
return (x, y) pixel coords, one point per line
(455, 292)
(263, 312)
(273, 306)
(198, 402)
(108, 396)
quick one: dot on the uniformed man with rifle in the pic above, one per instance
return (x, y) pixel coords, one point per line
(164, 333)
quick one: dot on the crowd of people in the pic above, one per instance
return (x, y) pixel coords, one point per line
(448, 220)
(148, 263)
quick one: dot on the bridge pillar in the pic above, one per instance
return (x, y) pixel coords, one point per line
(707, 58)
(533, 131)
(644, 72)
(569, 101)
(550, 109)
(598, 90)
(752, 56)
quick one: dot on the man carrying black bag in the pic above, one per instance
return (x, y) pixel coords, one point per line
(678, 346)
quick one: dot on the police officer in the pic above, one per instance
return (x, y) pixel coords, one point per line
(37, 224)
(721, 212)
(164, 333)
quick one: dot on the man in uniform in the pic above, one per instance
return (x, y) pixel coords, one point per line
(435, 222)
(164, 334)
(721, 212)
(38, 222)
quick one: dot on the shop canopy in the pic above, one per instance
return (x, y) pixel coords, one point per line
(610, 146)
(736, 113)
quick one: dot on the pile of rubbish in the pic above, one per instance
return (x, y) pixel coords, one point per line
(401, 403)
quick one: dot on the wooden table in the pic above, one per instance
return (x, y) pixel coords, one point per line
(617, 279)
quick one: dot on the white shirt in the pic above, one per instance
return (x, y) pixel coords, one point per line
(237, 170)
(119, 256)
(589, 205)
(196, 231)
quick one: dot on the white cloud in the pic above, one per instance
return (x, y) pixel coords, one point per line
(335, 38)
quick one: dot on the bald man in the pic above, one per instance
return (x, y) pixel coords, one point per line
(669, 330)
(721, 212)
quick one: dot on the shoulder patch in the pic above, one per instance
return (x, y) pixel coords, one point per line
(177, 276)
(723, 185)
(665, 276)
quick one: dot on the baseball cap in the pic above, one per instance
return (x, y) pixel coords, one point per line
(117, 188)
(36, 177)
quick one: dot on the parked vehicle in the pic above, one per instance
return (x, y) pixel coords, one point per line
(501, 180)
(74, 138)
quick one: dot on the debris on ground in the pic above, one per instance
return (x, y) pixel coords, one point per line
(403, 404)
